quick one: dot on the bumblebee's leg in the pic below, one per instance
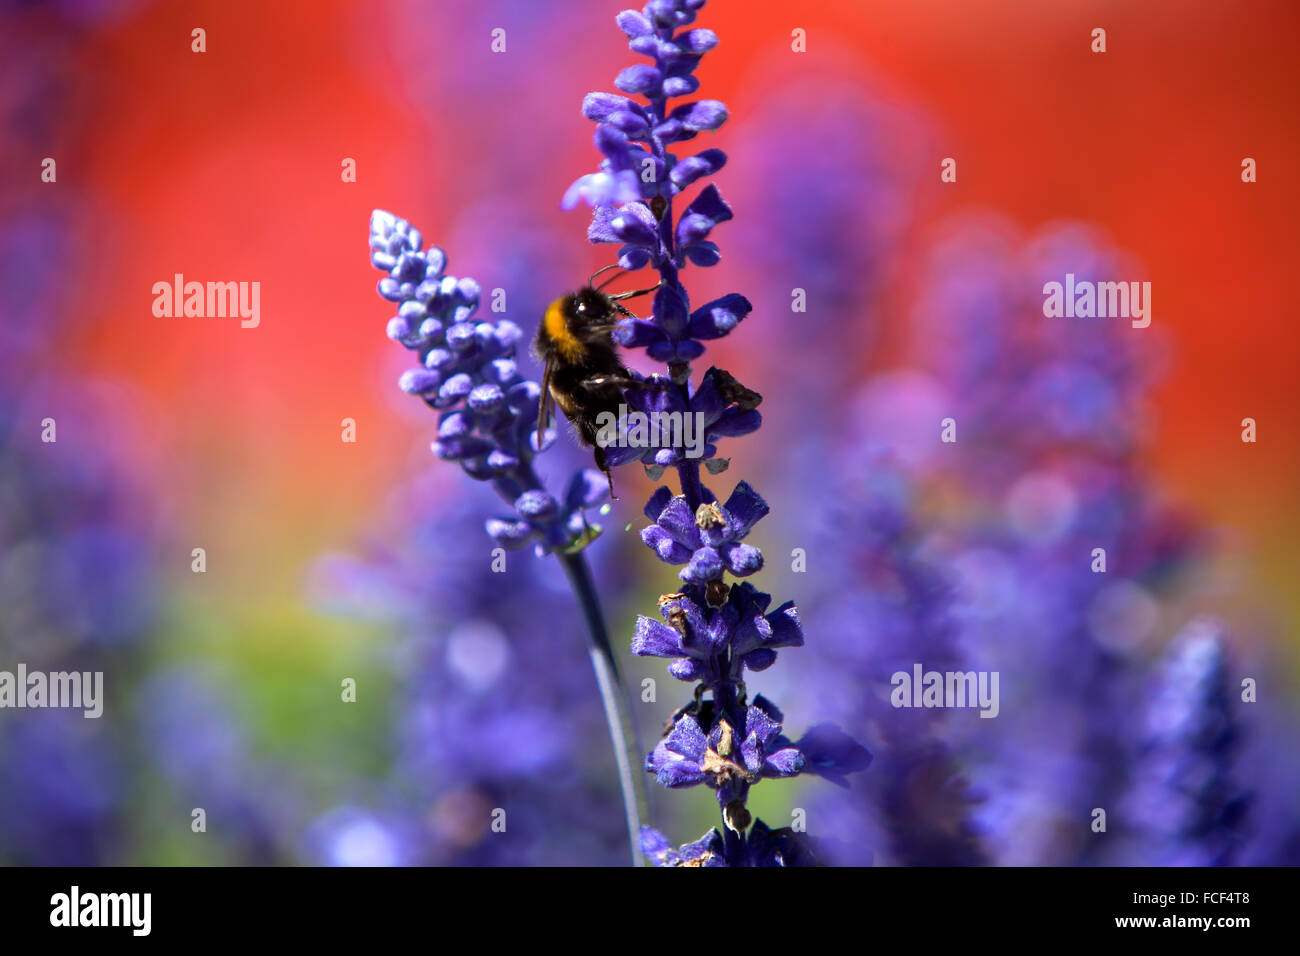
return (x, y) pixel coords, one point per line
(636, 292)
(609, 476)
(545, 404)
(623, 381)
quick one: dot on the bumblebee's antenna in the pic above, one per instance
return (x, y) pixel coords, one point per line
(612, 265)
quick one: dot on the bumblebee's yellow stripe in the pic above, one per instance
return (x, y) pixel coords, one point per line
(558, 330)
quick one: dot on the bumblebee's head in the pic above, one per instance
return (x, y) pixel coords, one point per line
(573, 324)
(589, 306)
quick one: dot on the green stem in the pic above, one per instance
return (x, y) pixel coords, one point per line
(622, 730)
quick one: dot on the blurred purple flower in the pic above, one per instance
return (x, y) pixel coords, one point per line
(1185, 804)
(201, 751)
(353, 836)
(62, 790)
(492, 710)
(888, 605)
(76, 585)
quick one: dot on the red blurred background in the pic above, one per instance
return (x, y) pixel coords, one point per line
(225, 165)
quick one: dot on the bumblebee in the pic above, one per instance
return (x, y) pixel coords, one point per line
(583, 374)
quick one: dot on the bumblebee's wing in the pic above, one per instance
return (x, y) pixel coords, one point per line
(545, 405)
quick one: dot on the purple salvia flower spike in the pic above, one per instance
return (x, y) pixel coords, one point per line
(712, 631)
(467, 371)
